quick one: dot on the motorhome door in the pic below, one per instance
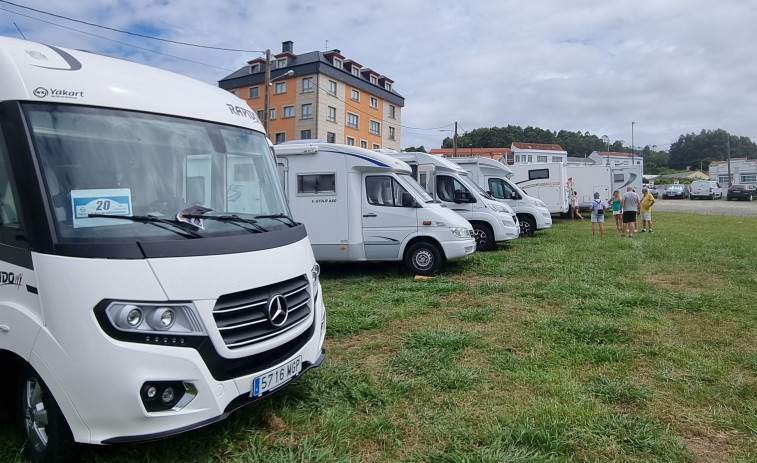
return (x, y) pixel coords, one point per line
(389, 216)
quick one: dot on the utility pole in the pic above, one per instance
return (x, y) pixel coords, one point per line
(266, 96)
(454, 141)
(632, 151)
(728, 144)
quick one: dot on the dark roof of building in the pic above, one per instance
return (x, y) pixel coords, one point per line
(311, 63)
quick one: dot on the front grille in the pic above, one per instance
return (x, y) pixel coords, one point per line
(242, 318)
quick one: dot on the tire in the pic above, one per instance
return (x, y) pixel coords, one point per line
(751, 197)
(527, 225)
(484, 236)
(48, 437)
(422, 258)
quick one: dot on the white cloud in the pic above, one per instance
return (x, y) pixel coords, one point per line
(673, 67)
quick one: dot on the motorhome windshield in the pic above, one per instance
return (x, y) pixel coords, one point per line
(413, 185)
(115, 174)
(473, 186)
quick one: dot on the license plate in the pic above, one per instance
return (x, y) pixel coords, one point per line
(274, 378)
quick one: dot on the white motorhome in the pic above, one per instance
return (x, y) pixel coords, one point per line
(586, 180)
(449, 183)
(362, 205)
(494, 177)
(547, 181)
(153, 280)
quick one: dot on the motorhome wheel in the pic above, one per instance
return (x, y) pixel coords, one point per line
(527, 225)
(484, 236)
(48, 438)
(423, 258)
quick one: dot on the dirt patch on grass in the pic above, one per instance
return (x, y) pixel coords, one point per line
(713, 448)
(684, 281)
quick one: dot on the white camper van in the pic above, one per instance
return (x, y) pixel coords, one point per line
(449, 183)
(709, 189)
(361, 205)
(154, 280)
(493, 176)
(586, 180)
(547, 181)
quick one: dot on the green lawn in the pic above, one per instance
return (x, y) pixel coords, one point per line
(561, 347)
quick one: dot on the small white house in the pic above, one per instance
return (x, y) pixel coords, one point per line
(525, 153)
(743, 170)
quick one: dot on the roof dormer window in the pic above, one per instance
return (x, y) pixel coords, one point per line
(281, 63)
(254, 67)
(388, 86)
(355, 71)
(337, 63)
(374, 80)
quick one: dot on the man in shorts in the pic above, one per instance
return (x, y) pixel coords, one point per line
(631, 206)
(647, 201)
(598, 207)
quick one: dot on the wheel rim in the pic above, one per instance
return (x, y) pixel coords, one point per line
(423, 259)
(35, 415)
(480, 236)
(525, 228)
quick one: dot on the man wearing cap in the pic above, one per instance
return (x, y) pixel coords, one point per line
(647, 202)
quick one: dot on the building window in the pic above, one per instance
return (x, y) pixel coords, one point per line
(272, 114)
(307, 111)
(541, 158)
(556, 159)
(353, 120)
(747, 178)
(391, 111)
(388, 86)
(316, 184)
(723, 179)
(391, 133)
(374, 80)
(374, 102)
(287, 111)
(307, 84)
(351, 141)
(254, 68)
(376, 146)
(280, 87)
(234, 92)
(364, 144)
(331, 114)
(306, 134)
(355, 71)
(375, 128)
(330, 137)
(337, 63)
(355, 95)
(281, 63)
(281, 137)
(254, 92)
(261, 116)
(530, 158)
(332, 88)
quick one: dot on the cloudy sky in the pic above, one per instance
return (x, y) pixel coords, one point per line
(671, 66)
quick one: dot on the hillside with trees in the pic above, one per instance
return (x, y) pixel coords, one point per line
(694, 151)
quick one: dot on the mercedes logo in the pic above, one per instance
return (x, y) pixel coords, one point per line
(277, 311)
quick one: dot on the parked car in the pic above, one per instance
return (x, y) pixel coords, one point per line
(706, 189)
(676, 191)
(745, 191)
(652, 190)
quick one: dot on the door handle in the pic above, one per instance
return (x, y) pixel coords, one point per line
(369, 215)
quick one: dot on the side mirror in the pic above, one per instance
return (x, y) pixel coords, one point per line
(463, 197)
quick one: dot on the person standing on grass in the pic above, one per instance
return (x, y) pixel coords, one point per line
(598, 207)
(574, 207)
(631, 206)
(647, 202)
(617, 213)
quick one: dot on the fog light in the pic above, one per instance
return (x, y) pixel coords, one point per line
(134, 317)
(167, 318)
(151, 392)
(168, 395)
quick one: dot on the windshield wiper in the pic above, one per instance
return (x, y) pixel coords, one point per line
(157, 221)
(278, 216)
(233, 218)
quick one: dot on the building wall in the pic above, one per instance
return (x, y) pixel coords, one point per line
(742, 171)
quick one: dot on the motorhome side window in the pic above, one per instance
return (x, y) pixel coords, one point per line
(538, 173)
(618, 177)
(383, 190)
(9, 211)
(446, 188)
(316, 184)
(500, 189)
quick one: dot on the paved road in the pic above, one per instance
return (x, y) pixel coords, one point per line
(705, 206)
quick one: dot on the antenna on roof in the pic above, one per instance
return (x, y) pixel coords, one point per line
(327, 44)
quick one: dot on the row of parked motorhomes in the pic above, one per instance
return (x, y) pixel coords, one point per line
(158, 260)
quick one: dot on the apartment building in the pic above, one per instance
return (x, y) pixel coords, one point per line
(321, 95)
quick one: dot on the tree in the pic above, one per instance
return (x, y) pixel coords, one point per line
(413, 149)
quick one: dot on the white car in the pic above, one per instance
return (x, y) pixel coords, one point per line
(709, 189)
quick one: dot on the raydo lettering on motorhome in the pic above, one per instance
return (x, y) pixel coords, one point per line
(112, 197)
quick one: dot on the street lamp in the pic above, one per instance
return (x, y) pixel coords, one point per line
(606, 139)
(632, 153)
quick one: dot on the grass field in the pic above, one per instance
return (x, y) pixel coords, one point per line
(558, 348)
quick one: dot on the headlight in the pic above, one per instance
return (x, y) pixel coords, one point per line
(148, 318)
(461, 232)
(498, 208)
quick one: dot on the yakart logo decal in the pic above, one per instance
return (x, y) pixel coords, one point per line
(71, 64)
(11, 279)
